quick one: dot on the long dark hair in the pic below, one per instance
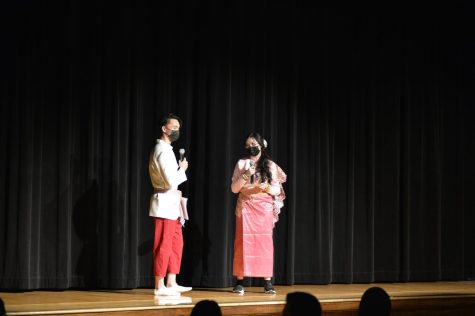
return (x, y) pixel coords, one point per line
(262, 165)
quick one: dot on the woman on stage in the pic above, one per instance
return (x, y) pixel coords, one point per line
(258, 180)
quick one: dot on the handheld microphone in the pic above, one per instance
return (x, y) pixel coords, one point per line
(182, 153)
(249, 164)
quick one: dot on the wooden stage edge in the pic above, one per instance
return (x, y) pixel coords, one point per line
(417, 298)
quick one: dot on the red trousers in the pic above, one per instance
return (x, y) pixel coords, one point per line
(167, 247)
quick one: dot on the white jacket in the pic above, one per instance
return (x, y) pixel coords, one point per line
(165, 175)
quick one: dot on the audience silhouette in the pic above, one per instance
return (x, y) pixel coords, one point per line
(2, 308)
(301, 303)
(375, 301)
(206, 308)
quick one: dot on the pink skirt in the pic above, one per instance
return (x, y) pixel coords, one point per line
(253, 243)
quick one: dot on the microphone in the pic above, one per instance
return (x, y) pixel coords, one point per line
(182, 153)
(249, 164)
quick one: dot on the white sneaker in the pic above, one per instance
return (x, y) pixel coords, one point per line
(179, 288)
(164, 291)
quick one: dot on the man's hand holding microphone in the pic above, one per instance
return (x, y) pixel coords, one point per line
(183, 163)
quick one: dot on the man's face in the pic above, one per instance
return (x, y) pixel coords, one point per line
(172, 125)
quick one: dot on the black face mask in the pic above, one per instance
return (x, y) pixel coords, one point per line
(253, 151)
(174, 135)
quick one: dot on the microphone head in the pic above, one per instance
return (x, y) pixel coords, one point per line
(181, 151)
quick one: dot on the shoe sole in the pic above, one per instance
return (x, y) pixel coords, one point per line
(183, 291)
(176, 294)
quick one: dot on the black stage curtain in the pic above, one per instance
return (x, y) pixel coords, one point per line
(369, 110)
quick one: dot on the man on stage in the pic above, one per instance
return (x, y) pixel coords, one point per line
(168, 208)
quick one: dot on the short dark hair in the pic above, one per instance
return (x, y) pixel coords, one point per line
(206, 307)
(2, 308)
(375, 301)
(301, 303)
(167, 119)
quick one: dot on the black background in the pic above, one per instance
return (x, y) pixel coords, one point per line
(368, 108)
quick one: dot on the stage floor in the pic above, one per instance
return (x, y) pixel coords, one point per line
(333, 297)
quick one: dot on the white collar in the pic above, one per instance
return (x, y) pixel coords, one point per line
(164, 143)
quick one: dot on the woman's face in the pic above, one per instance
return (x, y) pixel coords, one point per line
(253, 148)
(251, 142)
